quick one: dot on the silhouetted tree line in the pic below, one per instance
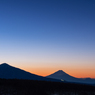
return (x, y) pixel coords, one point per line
(33, 87)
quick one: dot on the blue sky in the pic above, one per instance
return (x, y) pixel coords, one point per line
(48, 33)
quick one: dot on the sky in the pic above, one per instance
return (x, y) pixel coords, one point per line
(43, 36)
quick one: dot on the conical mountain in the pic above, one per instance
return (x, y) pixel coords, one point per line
(10, 72)
(61, 75)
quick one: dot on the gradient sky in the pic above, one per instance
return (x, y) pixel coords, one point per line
(43, 36)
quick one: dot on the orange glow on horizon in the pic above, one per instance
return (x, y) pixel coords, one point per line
(75, 73)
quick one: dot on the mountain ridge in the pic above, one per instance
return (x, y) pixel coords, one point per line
(60, 74)
(10, 72)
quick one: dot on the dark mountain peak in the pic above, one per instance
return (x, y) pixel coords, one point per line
(4, 64)
(61, 75)
(60, 72)
(10, 72)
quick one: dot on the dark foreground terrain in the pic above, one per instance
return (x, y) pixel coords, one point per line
(31, 87)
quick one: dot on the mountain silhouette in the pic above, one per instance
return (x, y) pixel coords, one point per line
(10, 72)
(64, 76)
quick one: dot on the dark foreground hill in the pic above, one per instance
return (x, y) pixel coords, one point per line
(10, 72)
(32, 87)
(64, 76)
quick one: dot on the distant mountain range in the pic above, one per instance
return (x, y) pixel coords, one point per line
(10, 72)
(64, 76)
